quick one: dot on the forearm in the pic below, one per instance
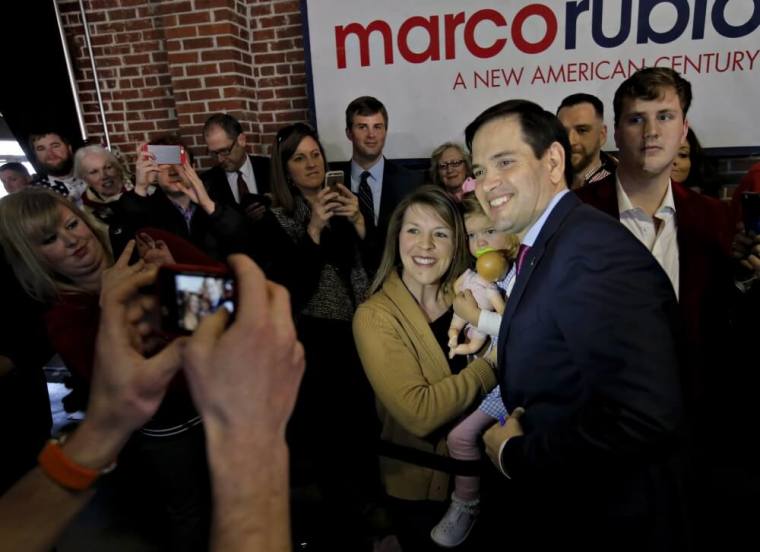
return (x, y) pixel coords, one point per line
(37, 509)
(489, 323)
(251, 508)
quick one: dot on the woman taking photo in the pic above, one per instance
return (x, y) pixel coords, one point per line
(62, 258)
(401, 336)
(315, 254)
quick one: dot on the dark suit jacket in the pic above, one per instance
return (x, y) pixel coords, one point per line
(588, 346)
(706, 290)
(223, 232)
(218, 188)
(398, 181)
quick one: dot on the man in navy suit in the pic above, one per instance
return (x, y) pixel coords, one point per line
(587, 354)
(387, 182)
(238, 179)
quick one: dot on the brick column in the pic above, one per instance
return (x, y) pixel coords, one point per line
(164, 66)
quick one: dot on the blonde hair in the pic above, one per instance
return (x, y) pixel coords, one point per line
(438, 200)
(435, 157)
(471, 207)
(99, 150)
(26, 218)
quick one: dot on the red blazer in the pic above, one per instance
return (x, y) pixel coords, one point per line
(750, 182)
(706, 289)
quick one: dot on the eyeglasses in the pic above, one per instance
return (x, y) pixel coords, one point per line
(223, 152)
(453, 164)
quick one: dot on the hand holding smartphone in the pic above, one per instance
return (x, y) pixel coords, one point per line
(187, 293)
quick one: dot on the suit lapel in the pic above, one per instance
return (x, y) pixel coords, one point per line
(532, 259)
(687, 229)
(607, 196)
(220, 188)
(260, 173)
(388, 200)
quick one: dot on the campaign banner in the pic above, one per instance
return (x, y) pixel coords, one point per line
(436, 64)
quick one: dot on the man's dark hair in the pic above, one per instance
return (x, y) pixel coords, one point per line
(15, 167)
(228, 123)
(365, 106)
(648, 84)
(33, 137)
(540, 128)
(575, 99)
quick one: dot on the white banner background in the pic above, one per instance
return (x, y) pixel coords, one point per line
(431, 102)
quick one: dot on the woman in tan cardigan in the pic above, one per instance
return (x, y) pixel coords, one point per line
(401, 333)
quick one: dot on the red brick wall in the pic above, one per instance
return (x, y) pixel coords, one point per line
(164, 66)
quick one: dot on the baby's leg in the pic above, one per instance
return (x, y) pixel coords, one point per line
(457, 324)
(463, 445)
(475, 342)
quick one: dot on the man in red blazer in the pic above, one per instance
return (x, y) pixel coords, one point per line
(689, 234)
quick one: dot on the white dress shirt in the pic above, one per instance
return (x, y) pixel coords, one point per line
(662, 241)
(248, 176)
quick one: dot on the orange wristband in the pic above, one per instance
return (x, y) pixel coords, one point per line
(64, 471)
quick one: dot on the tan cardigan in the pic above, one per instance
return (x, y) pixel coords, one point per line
(415, 389)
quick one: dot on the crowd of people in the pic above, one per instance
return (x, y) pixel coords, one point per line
(571, 314)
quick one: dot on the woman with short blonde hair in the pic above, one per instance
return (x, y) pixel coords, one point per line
(27, 220)
(450, 166)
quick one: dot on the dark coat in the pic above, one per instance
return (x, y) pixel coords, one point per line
(589, 347)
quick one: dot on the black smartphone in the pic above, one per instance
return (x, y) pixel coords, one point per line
(751, 211)
(250, 199)
(187, 293)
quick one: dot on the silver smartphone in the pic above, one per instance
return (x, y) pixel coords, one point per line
(333, 178)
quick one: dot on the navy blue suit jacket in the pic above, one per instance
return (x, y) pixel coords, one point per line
(706, 285)
(588, 346)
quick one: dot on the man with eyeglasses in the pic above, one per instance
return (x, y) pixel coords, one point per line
(238, 179)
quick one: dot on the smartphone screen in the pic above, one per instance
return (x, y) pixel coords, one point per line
(188, 296)
(167, 155)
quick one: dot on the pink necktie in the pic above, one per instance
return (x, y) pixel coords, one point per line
(521, 252)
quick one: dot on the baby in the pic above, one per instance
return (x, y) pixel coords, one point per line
(491, 266)
(462, 440)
